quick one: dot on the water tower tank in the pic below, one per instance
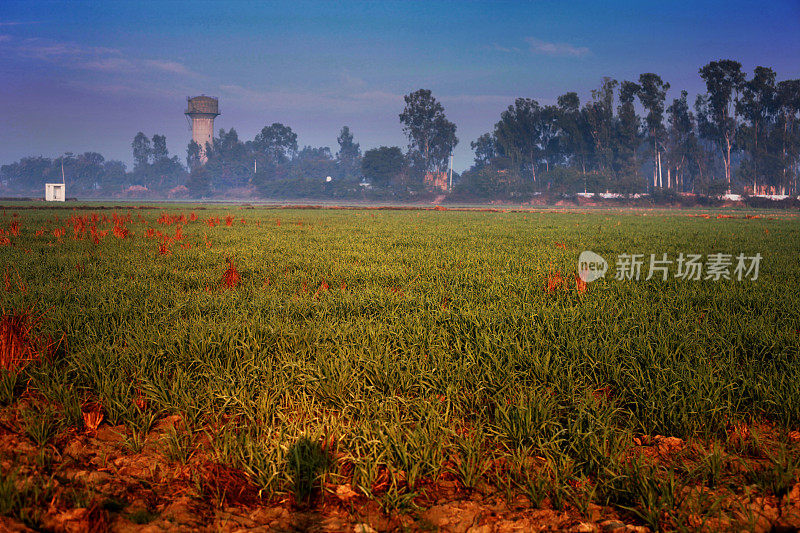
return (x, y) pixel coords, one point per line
(202, 110)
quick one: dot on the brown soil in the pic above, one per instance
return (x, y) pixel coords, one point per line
(97, 484)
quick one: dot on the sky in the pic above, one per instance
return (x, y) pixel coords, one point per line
(87, 76)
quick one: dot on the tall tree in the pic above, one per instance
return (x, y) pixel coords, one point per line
(349, 154)
(313, 163)
(681, 140)
(724, 80)
(431, 136)
(628, 129)
(278, 143)
(88, 171)
(383, 166)
(550, 130)
(652, 95)
(757, 106)
(160, 151)
(485, 148)
(228, 160)
(788, 132)
(573, 141)
(114, 175)
(519, 134)
(192, 155)
(141, 152)
(599, 120)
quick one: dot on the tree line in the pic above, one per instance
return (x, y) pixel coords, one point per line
(741, 135)
(272, 164)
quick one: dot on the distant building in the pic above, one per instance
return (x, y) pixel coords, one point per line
(55, 192)
(436, 181)
(202, 110)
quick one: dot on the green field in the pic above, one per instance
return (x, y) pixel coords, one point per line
(392, 349)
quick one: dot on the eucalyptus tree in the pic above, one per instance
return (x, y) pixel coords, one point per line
(549, 129)
(142, 150)
(757, 106)
(574, 138)
(349, 155)
(629, 129)
(599, 119)
(276, 143)
(519, 133)
(485, 148)
(431, 136)
(229, 163)
(652, 94)
(681, 140)
(787, 131)
(159, 150)
(718, 120)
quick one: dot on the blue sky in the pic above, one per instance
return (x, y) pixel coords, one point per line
(80, 76)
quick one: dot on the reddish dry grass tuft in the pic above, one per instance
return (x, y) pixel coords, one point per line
(580, 285)
(95, 520)
(230, 484)
(19, 345)
(554, 281)
(92, 415)
(139, 400)
(120, 231)
(95, 235)
(230, 279)
(323, 288)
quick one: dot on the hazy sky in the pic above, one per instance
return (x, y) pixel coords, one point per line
(81, 76)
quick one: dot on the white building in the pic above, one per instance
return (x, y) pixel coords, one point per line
(54, 192)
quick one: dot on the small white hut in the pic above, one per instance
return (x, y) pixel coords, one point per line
(54, 192)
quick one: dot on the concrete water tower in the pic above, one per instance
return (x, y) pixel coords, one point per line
(202, 110)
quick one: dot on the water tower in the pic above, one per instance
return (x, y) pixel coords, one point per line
(202, 110)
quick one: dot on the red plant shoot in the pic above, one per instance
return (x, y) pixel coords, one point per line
(230, 279)
(580, 285)
(554, 281)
